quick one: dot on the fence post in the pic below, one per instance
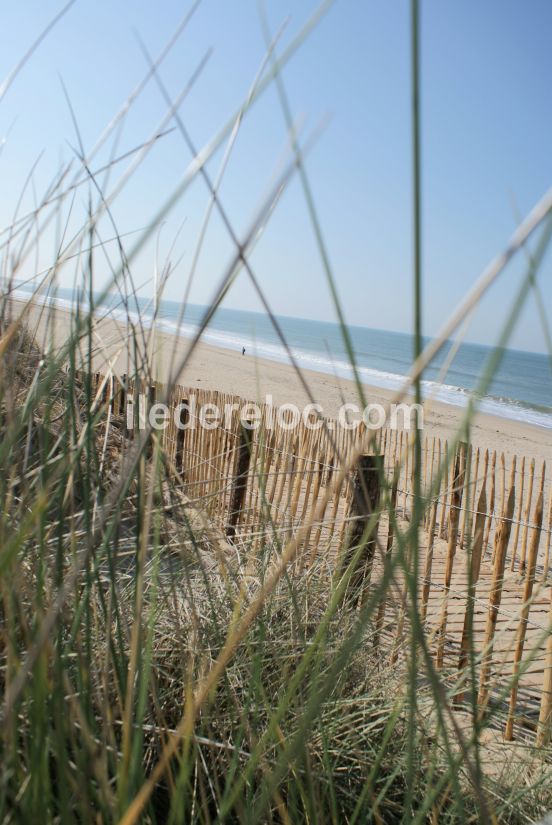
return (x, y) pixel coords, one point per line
(393, 505)
(111, 394)
(183, 418)
(120, 406)
(406, 464)
(239, 485)
(129, 411)
(148, 404)
(364, 503)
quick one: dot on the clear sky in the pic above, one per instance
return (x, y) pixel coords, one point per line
(486, 127)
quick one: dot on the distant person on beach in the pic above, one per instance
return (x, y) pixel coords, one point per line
(243, 350)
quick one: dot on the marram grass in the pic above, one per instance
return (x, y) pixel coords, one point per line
(149, 671)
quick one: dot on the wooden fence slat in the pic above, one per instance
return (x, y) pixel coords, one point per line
(406, 463)
(455, 504)
(391, 511)
(429, 485)
(476, 556)
(524, 615)
(544, 728)
(426, 587)
(526, 518)
(502, 483)
(519, 514)
(284, 441)
(468, 484)
(473, 495)
(233, 449)
(424, 474)
(501, 492)
(262, 506)
(337, 499)
(280, 444)
(548, 536)
(502, 536)
(251, 520)
(491, 504)
(444, 493)
(219, 462)
(347, 493)
(315, 479)
(325, 473)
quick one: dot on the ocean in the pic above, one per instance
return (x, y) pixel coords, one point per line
(521, 388)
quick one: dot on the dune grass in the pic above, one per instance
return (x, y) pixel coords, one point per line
(151, 672)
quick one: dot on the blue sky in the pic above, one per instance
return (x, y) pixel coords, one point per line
(486, 126)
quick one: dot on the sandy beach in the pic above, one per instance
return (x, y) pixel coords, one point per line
(254, 378)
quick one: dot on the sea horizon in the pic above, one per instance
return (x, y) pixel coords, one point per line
(520, 390)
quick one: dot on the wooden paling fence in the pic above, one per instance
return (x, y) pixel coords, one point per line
(484, 549)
